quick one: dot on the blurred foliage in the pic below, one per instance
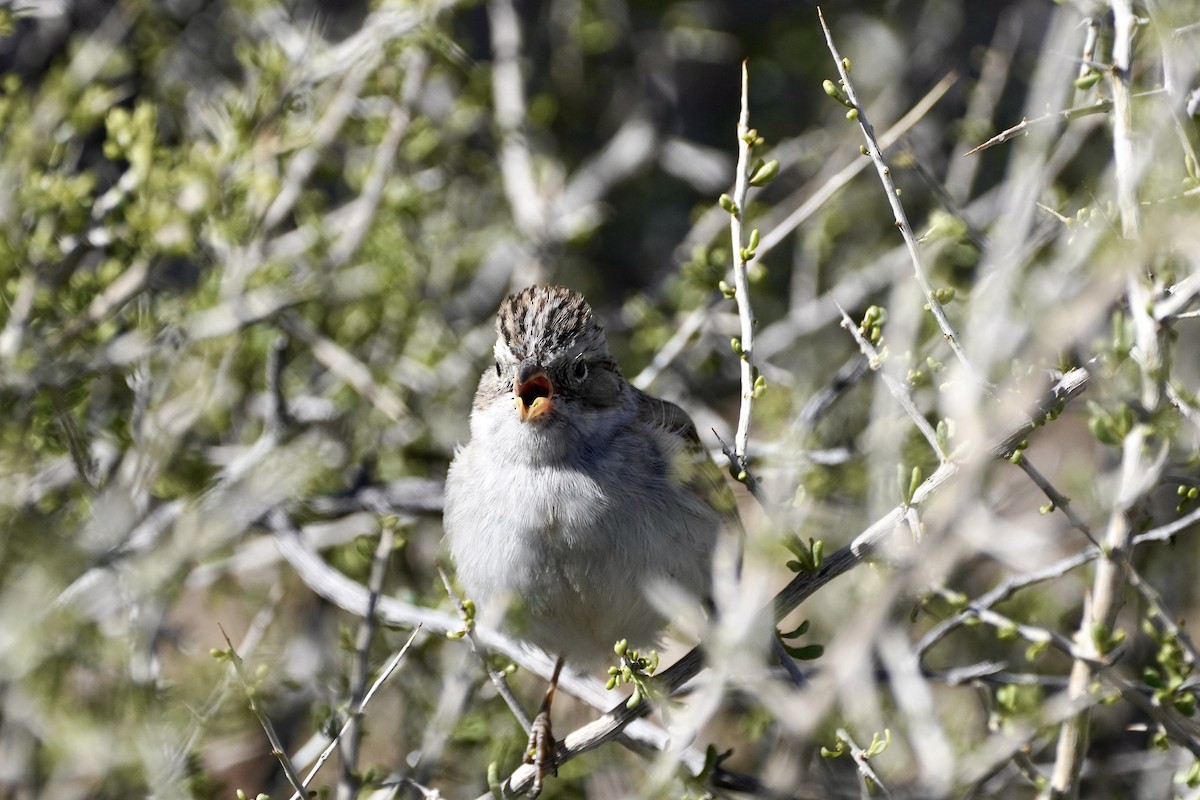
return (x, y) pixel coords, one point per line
(249, 255)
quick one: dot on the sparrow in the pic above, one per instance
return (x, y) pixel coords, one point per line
(578, 494)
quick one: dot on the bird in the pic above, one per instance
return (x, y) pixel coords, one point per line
(577, 493)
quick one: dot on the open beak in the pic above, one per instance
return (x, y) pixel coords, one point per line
(532, 391)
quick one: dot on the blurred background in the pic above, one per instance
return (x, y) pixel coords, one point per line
(250, 258)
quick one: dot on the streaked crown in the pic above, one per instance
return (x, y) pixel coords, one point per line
(545, 322)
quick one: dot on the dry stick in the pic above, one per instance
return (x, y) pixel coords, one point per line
(803, 586)
(348, 785)
(893, 196)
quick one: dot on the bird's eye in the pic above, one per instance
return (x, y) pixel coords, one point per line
(580, 370)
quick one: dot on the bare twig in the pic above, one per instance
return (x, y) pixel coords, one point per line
(1102, 106)
(1088, 56)
(303, 163)
(993, 75)
(674, 346)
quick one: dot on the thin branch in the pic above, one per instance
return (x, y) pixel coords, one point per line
(366, 204)
(348, 785)
(1102, 106)
(993, 76)
(898, 390)
(176, 764)
(741, 257)
(1088, 56)
(516, 162)
(479, 650)
(1124, 27)
(302, 164)
(893, 196)
(776, 232)
(870, 780)
(674, 346)
(1138, 474)
(277, 750)
(384, 674)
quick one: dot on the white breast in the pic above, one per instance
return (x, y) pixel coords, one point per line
(576, 540)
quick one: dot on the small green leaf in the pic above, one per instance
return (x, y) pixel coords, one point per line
(765, 173)
(838, 750)
(798, 632)
(806, 653)
(1192, 779)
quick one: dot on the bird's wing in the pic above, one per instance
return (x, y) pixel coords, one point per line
(689, 464)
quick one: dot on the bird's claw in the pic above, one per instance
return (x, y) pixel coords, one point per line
(540, 752)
